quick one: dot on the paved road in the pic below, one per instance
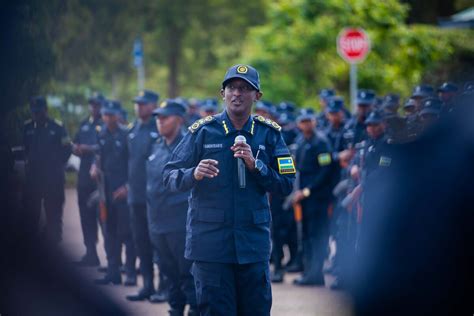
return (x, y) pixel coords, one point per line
(287, 299)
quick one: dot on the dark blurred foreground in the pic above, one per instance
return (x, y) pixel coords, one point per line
(416, 249)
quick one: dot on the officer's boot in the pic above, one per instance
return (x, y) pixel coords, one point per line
(112, 276)
(146, 291)
(162, 293)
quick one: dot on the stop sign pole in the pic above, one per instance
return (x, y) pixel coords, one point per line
(353, 45)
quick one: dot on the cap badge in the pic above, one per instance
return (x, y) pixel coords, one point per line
(242, 69)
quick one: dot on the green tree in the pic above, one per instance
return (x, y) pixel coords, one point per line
(296, 49)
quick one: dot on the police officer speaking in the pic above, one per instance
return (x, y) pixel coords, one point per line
(228, 224)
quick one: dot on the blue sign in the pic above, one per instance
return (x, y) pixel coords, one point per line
(138, 53)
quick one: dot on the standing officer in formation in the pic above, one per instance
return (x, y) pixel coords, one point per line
(85, 145)
(47, 149)
(228, 224)
(113, 165)
(313, 160)
(167, 211)
(141, 135)
(356, 126)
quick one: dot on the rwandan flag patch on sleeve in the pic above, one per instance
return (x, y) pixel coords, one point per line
(324, 159)
(286, 165)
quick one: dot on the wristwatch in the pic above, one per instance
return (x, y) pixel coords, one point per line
(259, 165)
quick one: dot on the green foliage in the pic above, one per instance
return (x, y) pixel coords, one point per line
(296, 49)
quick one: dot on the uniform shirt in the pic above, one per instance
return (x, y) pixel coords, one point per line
(355, 130)
(166, 210)
(113, 152)
(140, 139)
(377, 155)
(226, 223)
(338, 143)
(87, 135)
(47, 149)
(313, 160)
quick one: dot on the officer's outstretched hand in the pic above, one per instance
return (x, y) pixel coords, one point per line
(206, 168)
(244, 151)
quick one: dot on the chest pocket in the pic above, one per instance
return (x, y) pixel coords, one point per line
(225, 158)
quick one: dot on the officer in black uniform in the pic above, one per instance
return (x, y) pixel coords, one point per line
(228, 224)
(376, 145)
(430, 112)
(356, 126)
(447, 93)
(167, 211)
(420, 93)
(325, 96)
(313, 159)
(47, 149)
(113, 164)
(395, 124)
(85, 145)
(341, 156)
(141, 135)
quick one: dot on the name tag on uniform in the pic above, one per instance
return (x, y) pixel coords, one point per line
(385, 161)
(286, 165)
(209, 146)
(324, 159)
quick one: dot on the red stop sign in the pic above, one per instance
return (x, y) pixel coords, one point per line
(353, 45)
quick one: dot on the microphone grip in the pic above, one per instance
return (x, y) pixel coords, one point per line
(241, 173)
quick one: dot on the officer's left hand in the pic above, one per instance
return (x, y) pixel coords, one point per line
(120, 193)
(298, 196)
(244, 151)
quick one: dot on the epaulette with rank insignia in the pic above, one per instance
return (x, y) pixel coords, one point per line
(58, 122)
(130, 126)
(201, 122)
(267, 122)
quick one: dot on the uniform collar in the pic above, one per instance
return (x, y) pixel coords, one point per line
(224, 120)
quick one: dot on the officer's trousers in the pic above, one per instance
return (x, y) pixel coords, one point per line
(282, 232)
(315, 238)
(118, 232)
(88, 215)
(143, 246)
(53, 201)
(170, 250)
(232, 289)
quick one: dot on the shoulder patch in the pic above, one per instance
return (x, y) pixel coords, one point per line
(130, 126)
(58, 122)
(286, 165)
(267, 122)
(201, 122)
(324, 159)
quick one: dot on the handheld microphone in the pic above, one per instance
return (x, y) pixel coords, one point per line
(240, 139)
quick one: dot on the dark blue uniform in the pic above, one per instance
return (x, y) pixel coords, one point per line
(167, 225)
(47, 149)
(228, 228)
(114, 153)
(314, 162)
(87, 135)
(141, 136)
